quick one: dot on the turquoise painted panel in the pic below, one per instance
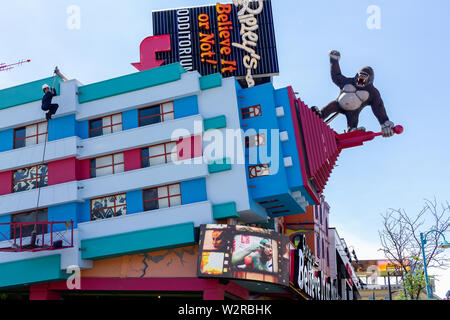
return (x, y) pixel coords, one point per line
(219, 165)
(193, 191)
(6, 140)
(130, 119)
(60, 128)
(211, 81)
(131, 82)
(138, 241)
(135, 202)
(185, 107)
(30, 271)
(26, 93)
(225, 210)
(215, 123)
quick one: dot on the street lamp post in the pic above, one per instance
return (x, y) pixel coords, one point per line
(444, 244)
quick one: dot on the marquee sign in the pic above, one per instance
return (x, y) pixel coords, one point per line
(235, 39)
(308, 279)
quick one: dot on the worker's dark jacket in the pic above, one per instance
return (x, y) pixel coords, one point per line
(47, 98)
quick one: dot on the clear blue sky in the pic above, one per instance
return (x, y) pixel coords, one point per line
(410, 56)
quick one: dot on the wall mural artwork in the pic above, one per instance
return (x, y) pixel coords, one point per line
(176, 263)
(108, 207)
(30, 178)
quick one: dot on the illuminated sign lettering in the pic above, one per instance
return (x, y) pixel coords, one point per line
(235, 39)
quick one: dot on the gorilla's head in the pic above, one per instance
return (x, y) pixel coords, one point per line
(364, 77)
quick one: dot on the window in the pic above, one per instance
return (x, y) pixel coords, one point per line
(158, 154)
(318, 246)
(154, 114)
(105, 125)
(30, 135)
(328, 258)
(107, 165)
(323, 248)
(108, 207)
(255, 141)
(29, 217)
(251, 112)
(30, 178)
(258, 171)
(162, 197)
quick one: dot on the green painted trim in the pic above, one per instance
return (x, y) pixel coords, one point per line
(225, 210)
(26, 93)
(138, 241)
(131, 82)
(210, 81)
(219, 165)
(215, 123)
(33, 270)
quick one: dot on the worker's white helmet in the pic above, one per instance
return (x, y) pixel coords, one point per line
(45, 86)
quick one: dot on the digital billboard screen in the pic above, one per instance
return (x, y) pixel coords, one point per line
(234, 39)
(242, 252)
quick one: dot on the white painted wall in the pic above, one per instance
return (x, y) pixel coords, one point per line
(141, 179)
(69, 256)
(228, 185)
(198, 213)
(32, 155)
(49, 196)
(29, 113)
(187, 86)
(135, 138)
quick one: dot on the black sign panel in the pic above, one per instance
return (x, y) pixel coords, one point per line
(235, 39)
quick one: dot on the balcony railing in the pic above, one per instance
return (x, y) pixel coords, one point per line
(45, 235)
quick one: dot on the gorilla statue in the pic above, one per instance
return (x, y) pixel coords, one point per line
(356, 93)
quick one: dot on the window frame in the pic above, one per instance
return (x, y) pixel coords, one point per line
(113, 164)
(36, 221)
(168, 196)
(265, 166)
(250, 111)
(36, 178)
(108, 126)
(166, 154)
(161, 113)
(115, 205)
(32, 136)
(258, 140)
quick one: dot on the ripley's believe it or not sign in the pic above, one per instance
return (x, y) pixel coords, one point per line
(236, 39)
(305, 277)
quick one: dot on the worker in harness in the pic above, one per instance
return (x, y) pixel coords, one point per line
(47, 104)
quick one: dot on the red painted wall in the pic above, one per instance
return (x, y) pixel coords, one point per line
(189, 147)
(83, 170)
(132, 159)
(62, 171)
(6, 180)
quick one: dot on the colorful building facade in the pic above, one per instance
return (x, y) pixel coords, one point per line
(131, 167)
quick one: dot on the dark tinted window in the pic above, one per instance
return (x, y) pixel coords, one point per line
(35, 216)
(19, 135)
(151, 199)
(95, 128)
(149, 115)
(145, 162)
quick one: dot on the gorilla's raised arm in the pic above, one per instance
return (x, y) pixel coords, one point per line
(336, 74)
(377, 105)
